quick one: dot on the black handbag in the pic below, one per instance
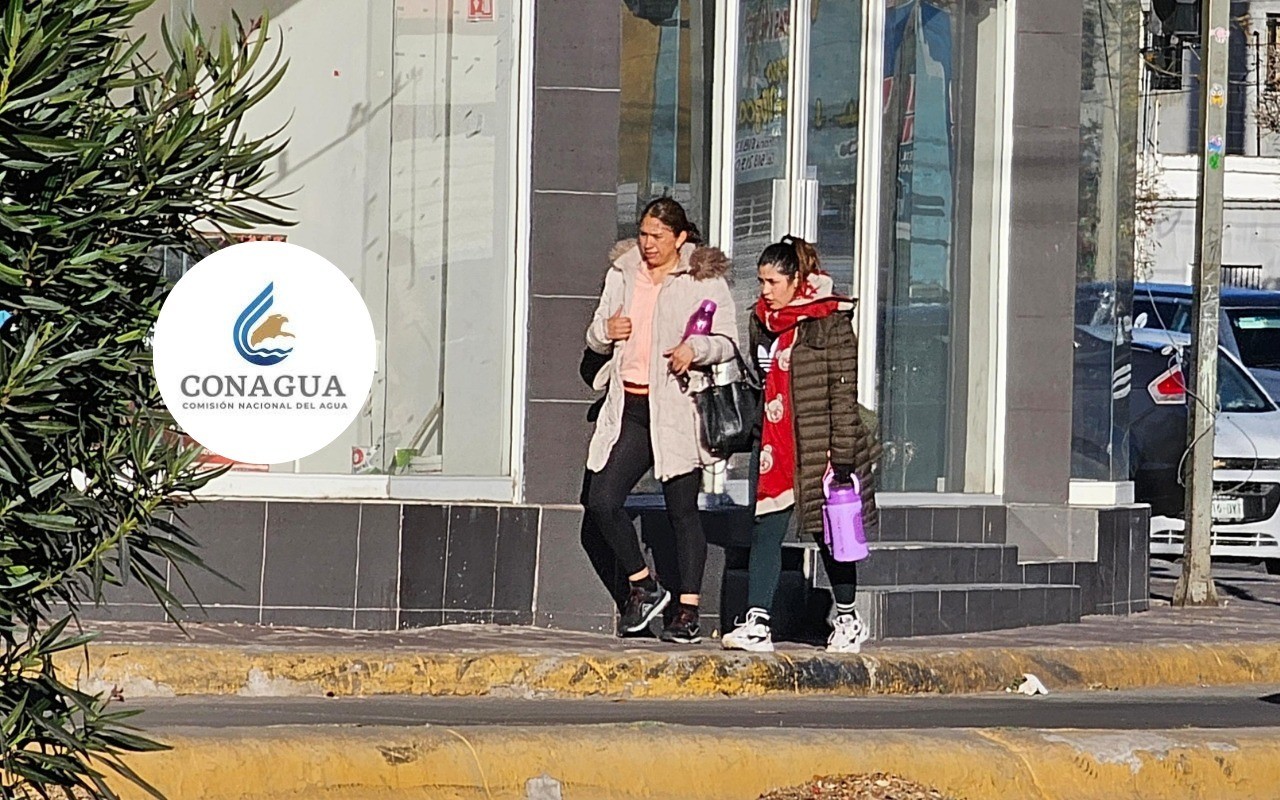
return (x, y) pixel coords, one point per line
(729, 412)
(588, 368)
(591, 364)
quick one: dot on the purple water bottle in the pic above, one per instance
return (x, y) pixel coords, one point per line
(842, 519)
(700, 323)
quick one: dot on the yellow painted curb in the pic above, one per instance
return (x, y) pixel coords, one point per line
(153, 670)
(656, 761)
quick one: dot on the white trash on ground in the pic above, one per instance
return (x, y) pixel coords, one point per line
(1030, 686)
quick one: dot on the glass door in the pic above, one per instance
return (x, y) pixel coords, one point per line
(831, 132)
(878, 130)
(796, 68)
(761, 141)
(798, 85)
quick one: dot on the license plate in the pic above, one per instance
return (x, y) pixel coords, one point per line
(1228, 509)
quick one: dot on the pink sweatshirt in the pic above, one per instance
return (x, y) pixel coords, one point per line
(638, 349)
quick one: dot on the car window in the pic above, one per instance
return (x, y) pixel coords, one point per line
(1236, 392)
(1163, 314)
(1257, 332)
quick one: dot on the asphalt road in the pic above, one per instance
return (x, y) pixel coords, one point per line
(1242, 707)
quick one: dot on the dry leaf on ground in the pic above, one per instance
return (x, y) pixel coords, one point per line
(873, 786)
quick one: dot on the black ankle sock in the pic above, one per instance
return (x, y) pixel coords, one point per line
(690, 608)
(647, 583)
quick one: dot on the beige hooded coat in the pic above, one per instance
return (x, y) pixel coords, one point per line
(673, 419)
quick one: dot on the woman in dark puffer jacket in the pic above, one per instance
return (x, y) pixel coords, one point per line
(802, 339)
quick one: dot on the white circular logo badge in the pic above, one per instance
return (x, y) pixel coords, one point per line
(264, 352)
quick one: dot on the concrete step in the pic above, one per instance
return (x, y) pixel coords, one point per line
(946, 524)
(730, 526)
(893, 563)
(934, 609)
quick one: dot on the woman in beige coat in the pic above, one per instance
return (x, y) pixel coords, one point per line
(653, 286)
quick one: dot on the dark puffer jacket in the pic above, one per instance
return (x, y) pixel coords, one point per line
(824, 389)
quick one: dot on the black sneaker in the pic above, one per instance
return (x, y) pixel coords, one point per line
(683, 628)
(642, 607)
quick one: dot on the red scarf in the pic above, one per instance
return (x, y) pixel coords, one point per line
(775, 490)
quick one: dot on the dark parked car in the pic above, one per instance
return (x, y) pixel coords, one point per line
(1246, 502)
(1246, 473)
(1249, 323)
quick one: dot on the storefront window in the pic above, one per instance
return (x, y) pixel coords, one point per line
(447, 404)
(664, 135)
(940, 234)
(1105, 252)
(400, 169)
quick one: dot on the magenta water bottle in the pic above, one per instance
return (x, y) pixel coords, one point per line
(700, 323)
(842, 519)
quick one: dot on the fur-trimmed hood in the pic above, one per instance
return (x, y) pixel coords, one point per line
(702, 262)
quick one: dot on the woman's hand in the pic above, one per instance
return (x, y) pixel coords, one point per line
(680, 358)
(618, 327)
(842, 473)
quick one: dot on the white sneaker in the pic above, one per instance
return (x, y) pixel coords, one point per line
(849, 634)
(753, 635)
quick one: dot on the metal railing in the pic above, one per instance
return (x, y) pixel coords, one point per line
(1244, 276)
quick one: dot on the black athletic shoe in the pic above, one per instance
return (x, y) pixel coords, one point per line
(642, 607)
(683, 628)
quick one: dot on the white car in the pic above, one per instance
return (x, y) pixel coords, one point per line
(1246, 477)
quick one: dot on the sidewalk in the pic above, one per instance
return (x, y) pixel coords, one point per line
(1237, 643)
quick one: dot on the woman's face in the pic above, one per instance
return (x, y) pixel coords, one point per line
(659, 245)
(777, 289)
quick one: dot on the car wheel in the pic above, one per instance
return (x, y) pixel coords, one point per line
(1273, 566)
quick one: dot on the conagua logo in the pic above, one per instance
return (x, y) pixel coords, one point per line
(252, 331)
(241, 401)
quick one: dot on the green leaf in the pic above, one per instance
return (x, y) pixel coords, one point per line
(43, 304)
(70, 643)
(45, 484)
(83, 181)
(59, 523)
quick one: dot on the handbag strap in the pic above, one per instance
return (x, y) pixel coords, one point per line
(748, 371)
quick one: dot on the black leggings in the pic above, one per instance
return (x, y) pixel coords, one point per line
(632, 456)
(765, 564)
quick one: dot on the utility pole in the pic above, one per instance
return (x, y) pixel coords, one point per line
(1195, 585)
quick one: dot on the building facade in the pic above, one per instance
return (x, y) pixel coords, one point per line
(1171, 99)
(469, 163)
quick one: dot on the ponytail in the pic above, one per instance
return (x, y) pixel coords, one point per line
(792, 256)
(806, 255)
